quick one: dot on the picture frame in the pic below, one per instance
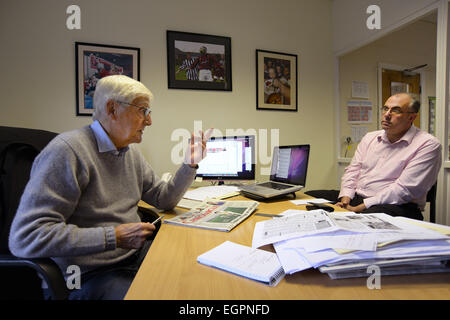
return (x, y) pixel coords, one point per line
(198, 61)
(276, 81)
(94, 61)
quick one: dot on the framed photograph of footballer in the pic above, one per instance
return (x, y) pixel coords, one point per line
(95, 61)
(198, 61)
(276, 81)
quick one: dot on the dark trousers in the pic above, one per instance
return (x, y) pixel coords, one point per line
(409, 210)
(109, 282)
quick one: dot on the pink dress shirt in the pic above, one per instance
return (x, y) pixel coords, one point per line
(393, 173)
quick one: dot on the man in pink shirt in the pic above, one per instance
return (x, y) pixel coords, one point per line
(392, 169)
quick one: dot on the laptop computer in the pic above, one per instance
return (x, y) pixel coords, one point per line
(287, 174)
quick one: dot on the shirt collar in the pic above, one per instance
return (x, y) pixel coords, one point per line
(407, 137)
(104, 143)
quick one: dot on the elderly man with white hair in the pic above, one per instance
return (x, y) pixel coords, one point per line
(80, 205)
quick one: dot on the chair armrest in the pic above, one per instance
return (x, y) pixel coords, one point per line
(148, 215)
(45, 267)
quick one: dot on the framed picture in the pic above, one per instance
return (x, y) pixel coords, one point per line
(198, 61)
(276, 81)
(95, 61)
(399, 87)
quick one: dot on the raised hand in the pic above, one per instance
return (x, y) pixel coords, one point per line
(196, 150)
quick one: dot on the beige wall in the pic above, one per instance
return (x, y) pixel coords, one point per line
(413, 45)
(350, 17)
(37, 82)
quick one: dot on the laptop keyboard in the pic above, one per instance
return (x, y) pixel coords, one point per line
(276, 186)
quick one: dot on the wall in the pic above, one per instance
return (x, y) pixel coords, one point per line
(413, 45)
(37, 82)
(349, 20)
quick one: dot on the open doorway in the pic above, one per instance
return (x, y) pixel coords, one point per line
(401, 61)
(397, 54)
(397, 81)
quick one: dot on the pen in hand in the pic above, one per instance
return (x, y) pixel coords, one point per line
(157, 220)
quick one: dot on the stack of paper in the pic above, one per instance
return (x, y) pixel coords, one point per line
(216, 192)
(345, 244)
(194, 197)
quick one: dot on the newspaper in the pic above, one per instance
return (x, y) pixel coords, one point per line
(215, 214)
(299, 223)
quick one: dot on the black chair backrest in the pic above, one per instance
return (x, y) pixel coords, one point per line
(18, 149)
(431, 198)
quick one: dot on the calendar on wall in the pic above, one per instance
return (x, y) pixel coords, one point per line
(359, 111)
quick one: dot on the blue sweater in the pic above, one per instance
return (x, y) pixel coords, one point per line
(79, 191)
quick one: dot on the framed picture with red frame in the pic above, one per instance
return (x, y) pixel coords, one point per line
(95, 61)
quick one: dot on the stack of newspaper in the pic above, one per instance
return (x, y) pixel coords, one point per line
(344, 244)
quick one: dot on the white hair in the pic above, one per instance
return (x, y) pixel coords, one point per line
(117, 87)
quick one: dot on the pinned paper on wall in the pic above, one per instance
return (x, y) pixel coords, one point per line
(359, 111)
(358, 132)
(360, 89)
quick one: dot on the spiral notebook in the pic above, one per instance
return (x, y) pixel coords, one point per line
(255, 264)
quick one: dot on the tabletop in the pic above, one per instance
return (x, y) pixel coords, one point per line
(171, 271)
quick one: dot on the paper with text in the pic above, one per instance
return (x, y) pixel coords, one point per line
(301, 224)
(217, 192)
(306, 201)
(252, 263)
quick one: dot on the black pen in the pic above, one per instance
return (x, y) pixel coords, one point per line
(268, 215)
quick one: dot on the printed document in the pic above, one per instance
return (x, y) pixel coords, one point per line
(307, 201)
(350, 238)
(301, 224)
(218, 192)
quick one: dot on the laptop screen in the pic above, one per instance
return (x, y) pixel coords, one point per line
(290, 164)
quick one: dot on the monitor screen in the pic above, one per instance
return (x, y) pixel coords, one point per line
(290, 164)
(228, 158)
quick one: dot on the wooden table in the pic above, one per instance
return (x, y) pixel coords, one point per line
(170, 271)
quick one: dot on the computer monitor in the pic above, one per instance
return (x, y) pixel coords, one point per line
(228, 158)
(290, 164)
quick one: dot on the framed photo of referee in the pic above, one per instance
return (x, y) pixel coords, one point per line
(198, 61)
(276, 81)
(95, 61)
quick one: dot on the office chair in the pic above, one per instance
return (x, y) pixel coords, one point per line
(431, 198)
(18, 149)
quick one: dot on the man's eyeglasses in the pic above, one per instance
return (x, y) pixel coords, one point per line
(145, 111)
(394, 110)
